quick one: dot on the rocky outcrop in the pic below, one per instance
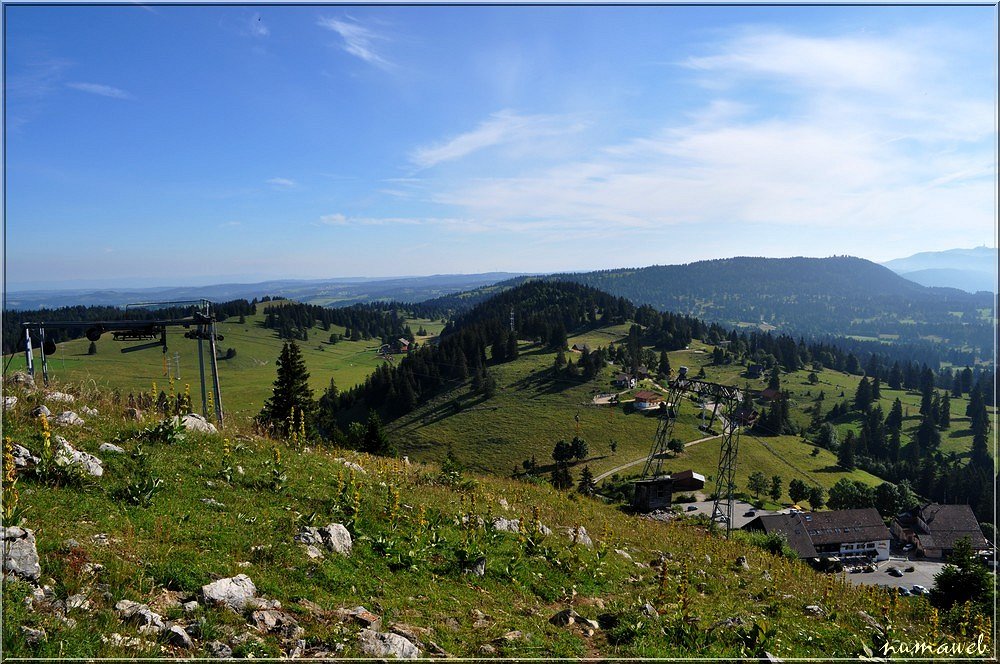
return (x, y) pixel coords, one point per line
(59, 397)
(20, 555)
(111, 447)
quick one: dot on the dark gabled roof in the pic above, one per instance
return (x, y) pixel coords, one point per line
(950, 523)
(837, 526)
(646, 395)
(790, 527)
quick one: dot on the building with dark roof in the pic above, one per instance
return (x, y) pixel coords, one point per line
(934, 529)
(843, 533)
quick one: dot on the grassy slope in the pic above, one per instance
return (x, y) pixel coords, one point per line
(180, 543)
(246, 379)
(530, 412)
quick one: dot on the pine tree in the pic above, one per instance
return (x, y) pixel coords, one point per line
(587, 486)
(664, 365)
(375, 440)
(863, 396)
(845, 454)
(292, 398)
(92, 348)
(944, 412)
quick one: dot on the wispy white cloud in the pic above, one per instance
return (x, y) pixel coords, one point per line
(101, 90)
(358, 40)
(282, 183)
(503, 127)
(231, 224)
(841, 153)
(340, 219)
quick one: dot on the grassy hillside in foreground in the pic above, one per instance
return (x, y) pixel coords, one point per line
(414, 529)
(246, 379)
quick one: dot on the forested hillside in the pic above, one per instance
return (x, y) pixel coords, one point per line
(811, 296)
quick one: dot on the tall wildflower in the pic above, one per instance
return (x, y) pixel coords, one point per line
(10, 495)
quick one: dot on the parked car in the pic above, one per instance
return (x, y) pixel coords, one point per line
(907, 547)
(750, 513)
(893, 571)
(691, 508)
(904, 591)
(920, 590)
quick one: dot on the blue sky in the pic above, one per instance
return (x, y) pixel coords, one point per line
(184, 144)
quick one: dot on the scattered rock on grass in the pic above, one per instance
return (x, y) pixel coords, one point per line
(23, 457)
(32, 636)
(212, 502)
(41, 410)
(506, 525)
(579, 536)
(478, 567)
(350, 464)
(565, 618)
(88, 411)
(140, 615)
(360, 615)
(742, 563)
(24, 379)
(9, 402)
(335, 537)
(68, 418)
(813, 610)
(69, 455)
(387, 644)
(111, 447)
(20, 557)
(177, 636)
(195, 422)
(233, 592)
(60, 397)
(218, 650)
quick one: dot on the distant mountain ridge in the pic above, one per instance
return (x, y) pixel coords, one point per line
(971, 270)
(841, 295)
(326, 292)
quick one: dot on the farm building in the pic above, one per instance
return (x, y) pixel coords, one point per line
(657, 492)
(647, 400)
(401, 346)
(755, 371)
(842, 533)
(934, 529)
(624, 380)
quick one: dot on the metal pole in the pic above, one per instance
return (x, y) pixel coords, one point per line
(28, 357)
(45, 363)
(215, 371)
(201, 370)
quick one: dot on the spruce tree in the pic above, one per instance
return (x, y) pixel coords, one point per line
(586, 486)
(291, 403)
(375, 440)
(845, 454)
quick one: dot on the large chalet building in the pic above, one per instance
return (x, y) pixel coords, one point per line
(859, 533)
